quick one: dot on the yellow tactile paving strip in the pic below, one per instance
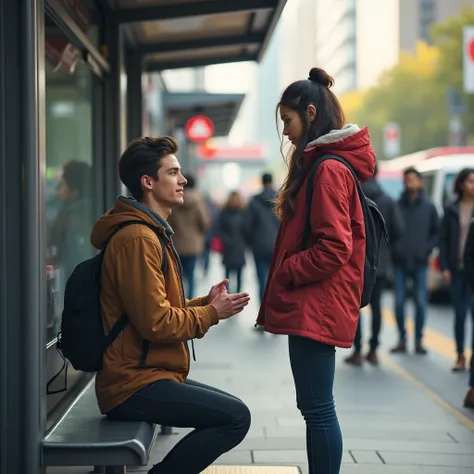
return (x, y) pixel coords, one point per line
(444, 344)
(436, 341)
(252, 470)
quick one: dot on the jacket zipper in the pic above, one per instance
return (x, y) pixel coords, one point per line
(180, 272)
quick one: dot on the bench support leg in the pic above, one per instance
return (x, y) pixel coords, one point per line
(115, 469)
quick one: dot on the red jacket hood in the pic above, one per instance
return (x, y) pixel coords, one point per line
(351, 143)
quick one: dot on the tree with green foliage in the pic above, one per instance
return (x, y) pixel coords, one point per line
(414, 92)
(410, 95)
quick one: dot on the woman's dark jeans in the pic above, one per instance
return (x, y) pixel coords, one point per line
(463, 301)
(313, 366)
(221, 421)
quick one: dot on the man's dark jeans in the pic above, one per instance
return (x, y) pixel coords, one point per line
(313, 365)
(420, 287)
(376, 308)
(220, 421)
(463, 301)
(263, 267)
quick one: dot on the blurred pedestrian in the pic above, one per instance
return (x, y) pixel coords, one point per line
(411, 253)
(394, 222)
(469, 269)
(454, 230)
(190, 222)
(314, 291)
(261, 227)
(213, 213)
(232, 234)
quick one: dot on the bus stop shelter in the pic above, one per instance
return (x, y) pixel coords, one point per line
(45, 46)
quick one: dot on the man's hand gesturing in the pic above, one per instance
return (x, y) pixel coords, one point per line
(216, 289)
(227, 305)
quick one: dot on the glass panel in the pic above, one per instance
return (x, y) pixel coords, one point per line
(428, 184)
(448, 189)
(69, 161)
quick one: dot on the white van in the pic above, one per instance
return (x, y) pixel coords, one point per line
(439, 167)
(439, 175)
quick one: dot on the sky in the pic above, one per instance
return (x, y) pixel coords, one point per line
(237, 78)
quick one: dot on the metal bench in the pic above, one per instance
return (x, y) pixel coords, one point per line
(84, 437)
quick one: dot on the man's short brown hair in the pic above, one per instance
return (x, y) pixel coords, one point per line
(143, 158)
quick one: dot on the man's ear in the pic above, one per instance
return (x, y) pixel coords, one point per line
(147, 182)
(311, 111)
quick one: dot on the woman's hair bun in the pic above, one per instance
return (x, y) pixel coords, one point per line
(321, 77)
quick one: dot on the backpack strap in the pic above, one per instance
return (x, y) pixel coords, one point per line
(117, 328)
(309, 191)
(122, 322)
(164, 253)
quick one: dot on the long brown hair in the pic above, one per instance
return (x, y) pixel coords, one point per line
(329, 116)
(234, 201)
(461, 178)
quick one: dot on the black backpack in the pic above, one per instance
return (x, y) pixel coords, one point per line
(374, 227)
(82, 340)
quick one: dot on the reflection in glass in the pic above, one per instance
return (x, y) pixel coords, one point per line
(69, 234)
(69, 169)
(86, 16)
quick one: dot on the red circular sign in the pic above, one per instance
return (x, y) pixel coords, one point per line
(470, 49)
(199, 128)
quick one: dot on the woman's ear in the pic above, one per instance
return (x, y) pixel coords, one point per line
(311, 111)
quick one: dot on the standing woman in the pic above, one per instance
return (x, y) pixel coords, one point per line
(232, 233)
(469, 269)
(454, 230)
(313, 294)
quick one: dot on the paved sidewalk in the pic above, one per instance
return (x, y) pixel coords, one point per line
(390, 425)
(392, 422)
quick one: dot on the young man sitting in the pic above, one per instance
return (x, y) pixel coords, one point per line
(144, 372)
